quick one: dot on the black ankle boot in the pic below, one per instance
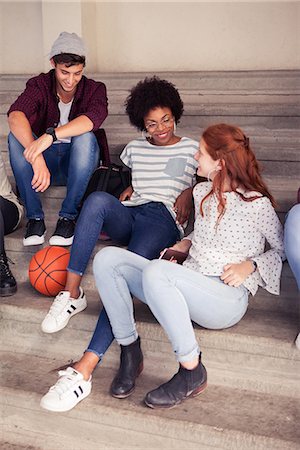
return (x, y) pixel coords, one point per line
(8, 285)
(185, 383)
(131, 365)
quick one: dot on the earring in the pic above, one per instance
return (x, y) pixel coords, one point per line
(174, 127)
(145, 135)
(217, 169)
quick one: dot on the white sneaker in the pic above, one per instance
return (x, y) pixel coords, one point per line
(62, 309)
(69, 390)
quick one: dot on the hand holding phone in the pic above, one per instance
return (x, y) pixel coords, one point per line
(173, 255)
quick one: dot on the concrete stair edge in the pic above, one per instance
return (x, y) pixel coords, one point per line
(132, 415)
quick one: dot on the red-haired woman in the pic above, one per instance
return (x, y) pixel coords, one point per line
(226, 262)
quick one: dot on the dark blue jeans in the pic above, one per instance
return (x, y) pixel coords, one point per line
(70, 165)
(145, 229)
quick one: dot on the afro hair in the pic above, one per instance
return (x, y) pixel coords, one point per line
(150, 94)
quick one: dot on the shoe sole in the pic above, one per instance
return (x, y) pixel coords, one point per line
(7, 292)
(127, 394)
(193, 394)
(61, 241)
(62, 326)
(34, 240)
(62, 409)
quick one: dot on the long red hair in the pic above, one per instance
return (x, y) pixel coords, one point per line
(239, 164)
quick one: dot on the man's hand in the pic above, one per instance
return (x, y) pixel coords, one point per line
(183, 205)
(37, 147)
(41, 175)
(235, 274)
(126, 194)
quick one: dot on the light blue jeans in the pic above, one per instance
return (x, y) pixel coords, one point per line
(292, 241)
(175, 294)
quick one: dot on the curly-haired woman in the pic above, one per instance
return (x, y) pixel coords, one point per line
(149, 215)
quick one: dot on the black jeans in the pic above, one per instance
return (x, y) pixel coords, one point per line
(9, 217)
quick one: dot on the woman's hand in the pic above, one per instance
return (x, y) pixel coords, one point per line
(235, 274)
(181, 246)
(183, 205)
(126, 194)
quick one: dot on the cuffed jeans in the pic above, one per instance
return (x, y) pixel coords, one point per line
(175, 294)
(292, 241)
(146, 230)
(69, 164)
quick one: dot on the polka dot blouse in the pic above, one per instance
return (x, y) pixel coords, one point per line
(240, 235)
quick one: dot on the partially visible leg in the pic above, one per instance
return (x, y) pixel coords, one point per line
(292, 246)
(153, 230)
(9, 217)
(78, 168)
(178, 296)
(99, 209)
(118, 274)
(23, 174)
(292, 241)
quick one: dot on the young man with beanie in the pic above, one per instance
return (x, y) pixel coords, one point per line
(51, 137)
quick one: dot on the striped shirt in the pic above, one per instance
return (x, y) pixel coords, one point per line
(160, 173)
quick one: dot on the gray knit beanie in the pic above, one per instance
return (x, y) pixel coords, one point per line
(68, 43)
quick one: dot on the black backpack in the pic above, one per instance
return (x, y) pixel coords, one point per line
(110, 178)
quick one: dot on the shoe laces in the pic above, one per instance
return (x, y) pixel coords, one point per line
(67, 378)
(4, 267)
(64, 224)
(60, 301)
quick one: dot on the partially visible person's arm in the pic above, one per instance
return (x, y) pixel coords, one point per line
(21, 129)
(75, 127)
(183, 205)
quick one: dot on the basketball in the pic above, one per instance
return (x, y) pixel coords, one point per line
(48, 270)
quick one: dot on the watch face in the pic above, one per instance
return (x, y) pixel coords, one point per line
(51, 131)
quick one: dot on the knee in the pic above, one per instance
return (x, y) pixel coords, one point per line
(152, 272)
(98, 200)
(86, 139)
(107, 258)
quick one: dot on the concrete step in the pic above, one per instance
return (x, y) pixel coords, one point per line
(268, 145)
(208, 103)
(284, 190)
(200, 122)
(261, 332)
(223, 417)
(258, 80)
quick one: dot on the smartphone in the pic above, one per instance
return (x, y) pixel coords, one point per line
(168, 253)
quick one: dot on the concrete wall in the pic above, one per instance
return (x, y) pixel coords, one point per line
(156, 36)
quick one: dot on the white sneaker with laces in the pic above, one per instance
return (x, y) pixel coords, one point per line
(62, 309)
(69, 390)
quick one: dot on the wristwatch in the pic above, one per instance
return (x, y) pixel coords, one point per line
(51, 131)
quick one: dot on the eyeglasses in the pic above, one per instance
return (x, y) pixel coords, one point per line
(167, 122)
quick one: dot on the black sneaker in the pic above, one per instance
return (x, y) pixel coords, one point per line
(35, 232)
(64, 232)
(8, 285)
